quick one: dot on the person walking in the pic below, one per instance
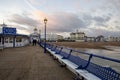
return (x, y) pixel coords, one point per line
(33, 42)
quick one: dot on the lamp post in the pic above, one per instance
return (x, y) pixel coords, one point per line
(40, 36)
(45, 21)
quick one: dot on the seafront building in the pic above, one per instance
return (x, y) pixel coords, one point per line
(113, 39)
(59, 37)
(10, 38)
(81, 37)
(90, 39)
(52, 37)
(99, 38)
(77, 36)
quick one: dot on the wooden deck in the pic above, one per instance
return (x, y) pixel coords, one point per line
(30, 63)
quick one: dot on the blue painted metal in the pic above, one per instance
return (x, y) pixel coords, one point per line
(78, 61)
(50, 47)
(45, 40)
(13, 35)
(8, 30)
(59, 50)
(54, 47)
(70, 53)
(85, 65)
(66, 57)
(104, 73)
(14, 41)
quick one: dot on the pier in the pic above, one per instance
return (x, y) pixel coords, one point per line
(30, 63)
(58, 63)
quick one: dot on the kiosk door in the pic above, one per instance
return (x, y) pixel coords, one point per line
(8, 41)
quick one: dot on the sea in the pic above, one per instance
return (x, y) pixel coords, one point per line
(110, 51)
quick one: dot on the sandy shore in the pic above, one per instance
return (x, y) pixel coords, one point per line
(93, 45)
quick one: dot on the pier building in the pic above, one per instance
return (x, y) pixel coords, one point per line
(35, 35)
(10, 38)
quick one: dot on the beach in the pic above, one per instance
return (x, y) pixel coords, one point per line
(91, 45)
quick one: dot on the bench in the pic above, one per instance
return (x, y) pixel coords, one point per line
(105, 73)
(72, 63)
(85, 68)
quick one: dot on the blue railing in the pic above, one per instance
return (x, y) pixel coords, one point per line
(104, 73)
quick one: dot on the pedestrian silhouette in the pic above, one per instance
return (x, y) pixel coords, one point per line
(34, 42)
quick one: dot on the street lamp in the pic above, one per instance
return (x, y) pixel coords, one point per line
(45, 21)
(40, 36)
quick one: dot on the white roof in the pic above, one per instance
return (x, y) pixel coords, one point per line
(36, 34)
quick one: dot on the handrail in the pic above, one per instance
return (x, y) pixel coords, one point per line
(94, 55)
(107, 58)
(91, 67)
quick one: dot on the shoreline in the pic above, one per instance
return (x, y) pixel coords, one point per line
(90, 45)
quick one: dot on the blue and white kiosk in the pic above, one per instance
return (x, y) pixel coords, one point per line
(10, 38)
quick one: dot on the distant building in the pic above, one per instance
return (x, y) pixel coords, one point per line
(90, 39)
(113, 39)
(53, 37)
(59, 37)
(99, 38)
(77, 36)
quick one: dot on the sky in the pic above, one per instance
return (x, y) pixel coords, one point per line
(94, 17)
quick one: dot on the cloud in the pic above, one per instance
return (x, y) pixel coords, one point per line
(39, 15)
(101, 21)
(115, 3)
(104, 32)
(25, 23)
(91, 16)
(66, 22)
(61, 22)
(24, 20)
(26, 32)
(35, 2)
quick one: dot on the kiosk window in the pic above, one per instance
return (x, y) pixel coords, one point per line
(10, 40)
(18, 39)
(6, 40)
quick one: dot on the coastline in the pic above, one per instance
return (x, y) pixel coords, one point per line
(90, 45)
